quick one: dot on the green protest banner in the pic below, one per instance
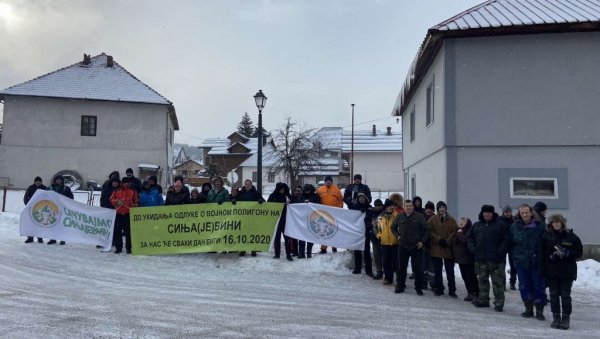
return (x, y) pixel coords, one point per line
(245, 226)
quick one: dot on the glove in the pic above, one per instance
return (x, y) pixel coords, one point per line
(234, 202)
(443, 242)
(261, 201)
(219, 202)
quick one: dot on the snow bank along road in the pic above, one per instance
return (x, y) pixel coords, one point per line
(75, 291)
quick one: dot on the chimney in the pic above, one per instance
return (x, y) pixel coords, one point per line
(389, 131)
(86, 59)
(374, 130)
(109, 61)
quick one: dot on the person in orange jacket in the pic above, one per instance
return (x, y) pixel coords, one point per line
(123, 199)
(330, 195)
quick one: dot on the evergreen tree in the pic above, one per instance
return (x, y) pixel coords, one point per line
(246, 126)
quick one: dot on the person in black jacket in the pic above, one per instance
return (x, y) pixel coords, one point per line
(247, 193)
(37, 185)
(177, 195)
(281, 194)
(58, 186)
(363, 205)
(560, 250)
(107, 189)
(196, 197)
(135, 183)
(418, 202)
(488, 240)
(308, 195)
(508, 219)
(351, 192)
(412, 232)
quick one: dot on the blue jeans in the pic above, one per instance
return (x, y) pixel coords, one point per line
(531, 285)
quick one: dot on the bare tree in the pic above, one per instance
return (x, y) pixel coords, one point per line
(294, 151)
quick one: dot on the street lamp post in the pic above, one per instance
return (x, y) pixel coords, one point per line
(260, 100)
(352, 148)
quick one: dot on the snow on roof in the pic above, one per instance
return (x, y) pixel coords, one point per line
(499, 17)
(268, 158)
(187, 153)
(330, 137)
(220, 146)
(148, 166)
(95, 81)
(364, 141)
(502, 13)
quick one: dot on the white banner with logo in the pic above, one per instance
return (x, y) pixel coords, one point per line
(53, 216)
(325, 225)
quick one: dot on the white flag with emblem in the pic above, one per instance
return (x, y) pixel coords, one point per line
(325, 225)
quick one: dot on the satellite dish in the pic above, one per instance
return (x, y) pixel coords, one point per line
(232, 177)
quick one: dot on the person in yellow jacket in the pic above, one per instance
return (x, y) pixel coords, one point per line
(330, 195)
(389, 242)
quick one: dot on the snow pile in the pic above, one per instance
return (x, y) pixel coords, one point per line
(588, 274)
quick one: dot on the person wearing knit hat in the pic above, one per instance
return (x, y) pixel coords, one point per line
(123, 199)
(429, 210)
(177, 196)
(508, 219)
(539, 211)
(443, 229)
(351, 192)
(389, 242)
(135, 183)
(560, 249)
(330, 195)
(488, 240)
(364, 205)
(37, 185)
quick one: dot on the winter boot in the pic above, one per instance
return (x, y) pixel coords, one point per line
(513, 286)
(29, 240)
(469, 298)
(40, 241)
(51, 242)
(479, 304)
(528, 309)
(289, 257)
(539, 312)
(555, 320)
(565, 322)
(61, 243)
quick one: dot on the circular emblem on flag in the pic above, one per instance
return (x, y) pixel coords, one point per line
(322, 224)
(45, 213)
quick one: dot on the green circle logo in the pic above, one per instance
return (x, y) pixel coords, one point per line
(45, 213)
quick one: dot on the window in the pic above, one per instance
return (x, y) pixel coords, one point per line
(430, 102)
(413, 186)
(254, 176)
(533, 188)
(412, 124)
(271, 177)
(88, 125)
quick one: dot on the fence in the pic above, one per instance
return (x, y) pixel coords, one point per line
(11, 200)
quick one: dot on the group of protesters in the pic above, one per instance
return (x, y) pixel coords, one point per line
(541, 253)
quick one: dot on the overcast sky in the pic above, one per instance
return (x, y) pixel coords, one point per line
(312, 59)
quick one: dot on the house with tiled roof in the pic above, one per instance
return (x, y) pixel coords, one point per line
(500, 106)
(84, 121)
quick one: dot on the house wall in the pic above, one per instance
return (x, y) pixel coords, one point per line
(226, 163)
(541, 89)
(430, 177)
(268, 187)
(382, 171)
(43, 136)
(479, 181)
(428, 139)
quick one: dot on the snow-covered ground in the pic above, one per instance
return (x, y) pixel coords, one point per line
(75, 291)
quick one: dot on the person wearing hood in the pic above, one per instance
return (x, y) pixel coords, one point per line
(389, 242)
(196, 197)
(559, 252)
(281, 195)
(443, 229)
(412, 232)
(428, 269)
(135, 183)
(150, 195)
(218, 193)
(526, 237)
(351, 192)
(107, 189)
(464, 258)
(177, 195)
(429, 210)
(418, 202)
(123, 199)
(364, 205)
(37, 185)
(58, 186)
(309, 195)
(488, 240)
(330, 195)
(508, 219)
(153, 183)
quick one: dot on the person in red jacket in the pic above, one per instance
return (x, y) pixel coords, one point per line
(123, 199)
